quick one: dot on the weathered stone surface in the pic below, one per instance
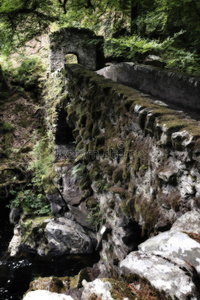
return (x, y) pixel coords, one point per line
(176, 88)
(67, 183)
(29, 237)
(81, 215)
(14, 244)
(14, 215)
(174, 277)
(98, 288)
(57, 203)
(189, 222)
(76, 41)
(176, 243)
(46, 295)
(67, 237)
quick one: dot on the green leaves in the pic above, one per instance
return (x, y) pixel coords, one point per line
(31, 202)
(21, 20)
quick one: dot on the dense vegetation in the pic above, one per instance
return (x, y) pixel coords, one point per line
(133, 29)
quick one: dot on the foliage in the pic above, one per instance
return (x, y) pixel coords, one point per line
(96, 216)
(30, 201)
(136, 49)
(21, 20)
(29, 72)
(166, 27)
(42, 161)
(6, 127)
(78, 171)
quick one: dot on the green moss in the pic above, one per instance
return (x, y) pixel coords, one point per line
(82, 120)
(47, 183)
(95, 129)
(80, 146)
(128, 207)
(85, 183)
(32, 230)
(107, 168)
(102, 185)
(5, 127)
(86, 135)
(91, 202)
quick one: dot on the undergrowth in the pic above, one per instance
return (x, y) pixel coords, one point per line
(136, 49)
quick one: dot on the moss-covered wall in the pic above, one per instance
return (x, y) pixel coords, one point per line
(134, 147)
(137, 160)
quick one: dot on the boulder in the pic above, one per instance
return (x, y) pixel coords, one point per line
(29, 237)
(172, 276)
(65, 236)
(45, 295)
(189, 222)
(177, 242)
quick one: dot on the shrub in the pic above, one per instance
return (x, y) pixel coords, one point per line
(29, 72)
(33, 202)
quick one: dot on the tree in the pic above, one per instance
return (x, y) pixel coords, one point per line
(21, 20)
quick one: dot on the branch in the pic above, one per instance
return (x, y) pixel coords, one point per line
(63, 5)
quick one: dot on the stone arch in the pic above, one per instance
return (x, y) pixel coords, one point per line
(71, 58)
(82, 42)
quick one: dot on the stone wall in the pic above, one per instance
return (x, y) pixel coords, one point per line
(82, 42)
(178, 89)
(141, 158)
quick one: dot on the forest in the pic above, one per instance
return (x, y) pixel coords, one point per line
(132, 29)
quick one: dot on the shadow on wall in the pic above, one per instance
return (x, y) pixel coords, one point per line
(64, 133)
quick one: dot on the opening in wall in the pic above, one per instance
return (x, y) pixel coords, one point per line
(64, 133)
(71, 58)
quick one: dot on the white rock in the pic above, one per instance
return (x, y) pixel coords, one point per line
(98, 287)
(15, 243)
(176, 242)
(163, 274)
(189, 222)
(46, 295)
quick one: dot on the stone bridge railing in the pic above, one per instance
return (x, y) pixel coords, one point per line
(178, 89)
